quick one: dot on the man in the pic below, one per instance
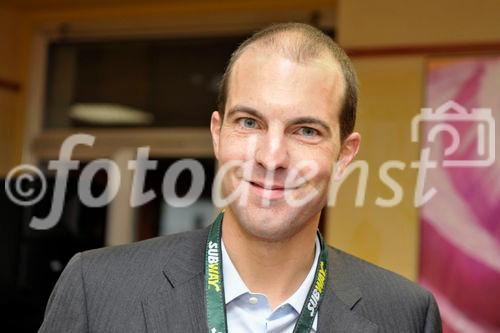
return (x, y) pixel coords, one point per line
(283, 131)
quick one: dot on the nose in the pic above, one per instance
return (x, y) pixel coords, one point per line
(271, 150)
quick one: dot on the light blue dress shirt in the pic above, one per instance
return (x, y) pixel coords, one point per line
(251, 312)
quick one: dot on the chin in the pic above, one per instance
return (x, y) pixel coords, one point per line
(271, 224)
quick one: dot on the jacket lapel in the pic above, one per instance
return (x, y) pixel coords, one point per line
(336, 313)
(179, 306)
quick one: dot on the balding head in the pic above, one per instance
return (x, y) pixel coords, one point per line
(300, 43)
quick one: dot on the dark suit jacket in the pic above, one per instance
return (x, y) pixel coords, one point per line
(157, 286)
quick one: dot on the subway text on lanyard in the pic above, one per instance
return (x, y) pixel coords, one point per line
(214, 285)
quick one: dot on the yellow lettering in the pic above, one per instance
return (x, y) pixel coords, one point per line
(213, 276)
(320, 283)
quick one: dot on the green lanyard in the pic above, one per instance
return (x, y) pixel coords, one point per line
(214, 285)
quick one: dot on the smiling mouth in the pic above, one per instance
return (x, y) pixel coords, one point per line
(270, 193)
(271, 187)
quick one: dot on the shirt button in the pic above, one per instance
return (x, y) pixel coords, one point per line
(253, 300)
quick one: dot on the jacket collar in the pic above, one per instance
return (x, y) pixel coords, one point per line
(178, 305)
(187, 258)
(186, 263)
(336, 313)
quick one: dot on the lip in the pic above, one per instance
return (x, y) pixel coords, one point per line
(270, 192)
(269, 187)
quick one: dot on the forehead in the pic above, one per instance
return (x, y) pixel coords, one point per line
(266, 80)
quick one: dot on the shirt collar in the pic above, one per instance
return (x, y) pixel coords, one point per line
(235, 287)
(233, 284)
(298, 298)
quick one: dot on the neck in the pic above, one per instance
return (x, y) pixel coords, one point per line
(274, 268)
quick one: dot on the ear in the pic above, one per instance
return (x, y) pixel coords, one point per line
(215, 127)
(348, 151)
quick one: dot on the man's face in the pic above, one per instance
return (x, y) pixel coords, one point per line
(281, 126)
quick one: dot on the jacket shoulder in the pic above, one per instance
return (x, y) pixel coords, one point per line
(134, 270)
(153, 251)
(387, 298)
(104, 289)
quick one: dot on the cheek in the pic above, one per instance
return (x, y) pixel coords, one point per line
(231, 148)
(315, 164)
(324, 171)
(315, 172)
(227, 154)
(233, 154)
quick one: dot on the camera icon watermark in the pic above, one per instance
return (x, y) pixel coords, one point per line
(470, 136)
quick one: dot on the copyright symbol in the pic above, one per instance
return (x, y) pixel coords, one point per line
(24, 195)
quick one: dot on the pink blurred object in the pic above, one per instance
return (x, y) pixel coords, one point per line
(460, 225)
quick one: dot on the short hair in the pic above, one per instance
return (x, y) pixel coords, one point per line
(301, 42)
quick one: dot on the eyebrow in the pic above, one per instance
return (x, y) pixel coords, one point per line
(296, 121)
(244, 109)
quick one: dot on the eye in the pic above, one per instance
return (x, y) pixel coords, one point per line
(248, 123)
(308, 132)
